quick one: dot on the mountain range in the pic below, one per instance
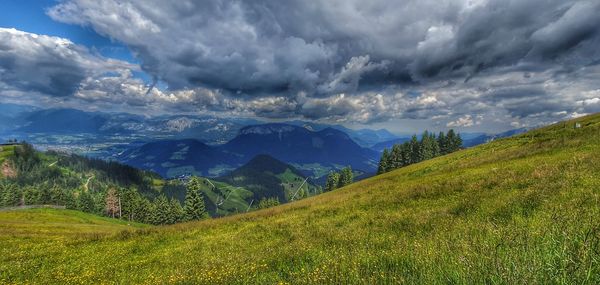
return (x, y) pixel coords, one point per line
(25, 122)
(313, 152)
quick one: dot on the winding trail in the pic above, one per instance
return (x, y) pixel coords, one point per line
(85, 186)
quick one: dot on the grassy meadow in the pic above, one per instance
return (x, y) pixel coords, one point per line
(522, 210)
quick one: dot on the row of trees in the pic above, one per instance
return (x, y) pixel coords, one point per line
(99, 187)
(339, 179)
(129, 204)
(125, 203)
(416, 150)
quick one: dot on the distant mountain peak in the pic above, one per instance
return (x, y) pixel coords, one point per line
(267, 129)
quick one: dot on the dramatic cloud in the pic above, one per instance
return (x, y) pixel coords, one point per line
(454, 63)
(48, 65)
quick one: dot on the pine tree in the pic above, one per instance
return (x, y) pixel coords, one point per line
(31, 195)
(162, 213)
(332, 182)
(57, 196)
(435, 147)
(442, 143)
(405, 151)
(177, 213)
(454, 141)
(267, 203)
(11, 195)
(383, 164)
(396, 157)
(425, 149)
(194, 203)
(145, 211)
(69, 200)
(86, 202)
(346, 177)
(415, 150)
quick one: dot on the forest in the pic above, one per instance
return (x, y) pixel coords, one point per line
(96, 186)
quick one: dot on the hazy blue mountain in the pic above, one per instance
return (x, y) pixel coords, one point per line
(64, 121)
(12, 116)
(50, 126)
(389, 144)
(484, 138)
(315, 153)
(363, 137)
(300, 145)
(173, 158)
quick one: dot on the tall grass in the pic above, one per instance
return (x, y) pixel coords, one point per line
(523, 210)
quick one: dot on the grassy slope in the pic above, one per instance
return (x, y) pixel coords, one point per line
(6, 152)
(58, 224)
(231, 199)
(519, 210)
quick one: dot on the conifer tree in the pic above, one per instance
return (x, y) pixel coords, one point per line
(69, 200)
(442, 143)
(346, 177)
(86, 202)
(10, 195)
(31, 195)
(332, 182)
(177, 213)
(454, 141)
(383, 164)
(162, 213)
(435, 147)
(194, 203)
(415, 150)
(429, 148)
(267, 203)
(395, 157)
(405, 150)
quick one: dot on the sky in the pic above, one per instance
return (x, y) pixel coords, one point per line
(472, 65)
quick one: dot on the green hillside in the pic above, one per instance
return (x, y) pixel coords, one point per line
(48, 223)
(269, 178)
(522, 210)
(224, 199)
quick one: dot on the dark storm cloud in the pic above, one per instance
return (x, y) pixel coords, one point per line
(275, 46)
(465, 62)
(47, 65)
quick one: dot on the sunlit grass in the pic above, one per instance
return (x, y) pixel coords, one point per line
(522, 210)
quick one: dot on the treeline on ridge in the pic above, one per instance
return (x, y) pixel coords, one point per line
(416, 150)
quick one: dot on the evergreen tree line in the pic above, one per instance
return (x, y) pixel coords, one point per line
(339, 179)
(416, 150)
(112, 189)
(123, 203)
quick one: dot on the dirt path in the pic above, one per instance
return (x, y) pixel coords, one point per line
(85, 186)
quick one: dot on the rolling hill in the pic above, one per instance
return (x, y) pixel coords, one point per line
(520, 210)
(268, 177)
(241, 190)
